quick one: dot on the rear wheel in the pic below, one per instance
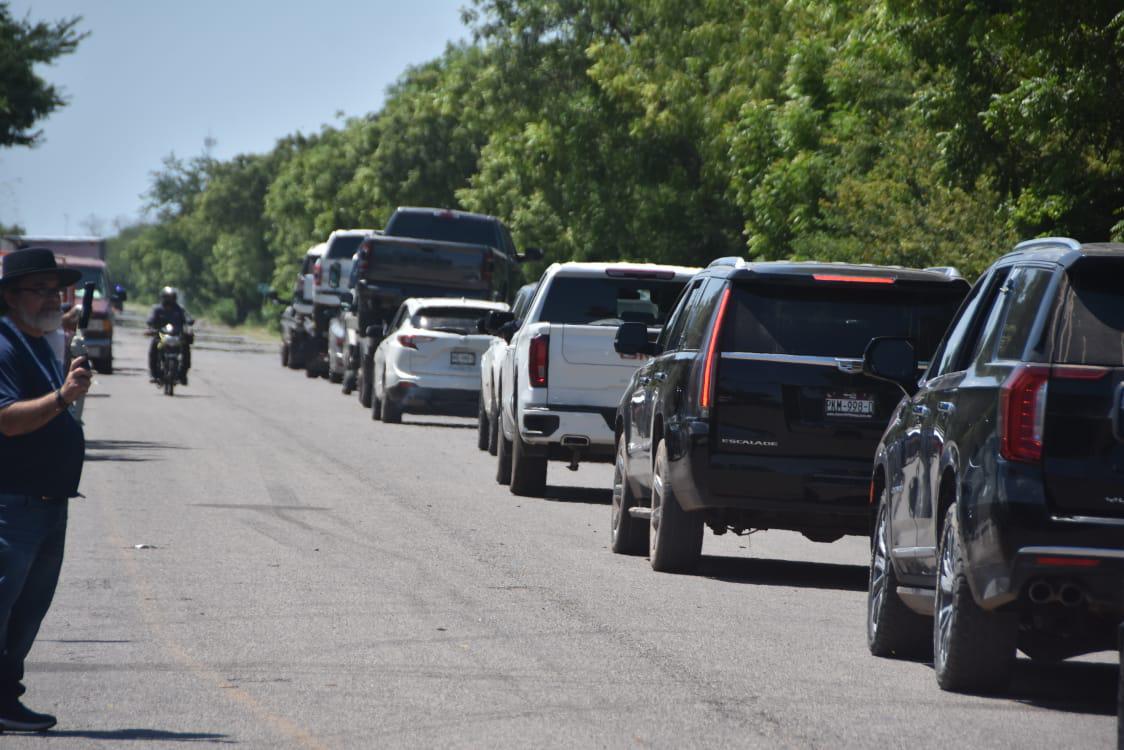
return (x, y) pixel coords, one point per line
(363, 384)
(675, 537)
(973, 650)
(528, 473)
(503, 460)
(169, 386)
(481, 427)
(284, 354)
(892, 629)
(391, 410)
(493, 431)
(629, 535)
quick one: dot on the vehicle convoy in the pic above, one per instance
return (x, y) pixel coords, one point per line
(560, 380)
(325, 286)
(999, 481)
(753, 412)
(428, 363)
(425, 252)
(487, 434)
(297, 321)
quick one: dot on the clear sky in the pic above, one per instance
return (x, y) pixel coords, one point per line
(160, 76)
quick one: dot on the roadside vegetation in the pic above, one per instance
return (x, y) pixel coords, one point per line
(916, 132)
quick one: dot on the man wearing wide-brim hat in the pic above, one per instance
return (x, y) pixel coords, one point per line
(41, 454)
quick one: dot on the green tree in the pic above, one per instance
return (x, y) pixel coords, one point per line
(25, 98)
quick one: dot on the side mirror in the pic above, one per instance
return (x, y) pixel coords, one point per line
(481, 325)
(508, 329)
(632, 338)
(530, 254)
(372, 331)
(892, 360)
(496, 319)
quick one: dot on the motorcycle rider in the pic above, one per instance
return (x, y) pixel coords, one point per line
(168, 311)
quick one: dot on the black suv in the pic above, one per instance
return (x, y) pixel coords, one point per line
(1000, 479)
(753, 412)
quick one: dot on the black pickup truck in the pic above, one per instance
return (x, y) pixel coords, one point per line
(424, 252)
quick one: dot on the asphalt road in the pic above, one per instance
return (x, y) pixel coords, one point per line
(317, 580)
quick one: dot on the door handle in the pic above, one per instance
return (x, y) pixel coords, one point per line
(946, 407)
(920, 410)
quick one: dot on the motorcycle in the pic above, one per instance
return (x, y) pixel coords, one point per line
(169, 356)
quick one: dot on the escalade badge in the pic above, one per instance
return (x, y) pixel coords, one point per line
(750, 443)
(1115, 500)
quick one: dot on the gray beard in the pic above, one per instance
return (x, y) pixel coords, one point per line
(45, 321)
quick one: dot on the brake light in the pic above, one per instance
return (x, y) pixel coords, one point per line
(853, 279)
(317, 273)
(639, 273)
(538, 359)
(706, 395)
(363, 260)
(486, 267)
(1078, 372)
(1068, 562)
(1022, 413)
(411, 340)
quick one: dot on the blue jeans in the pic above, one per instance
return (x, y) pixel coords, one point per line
(32, 536)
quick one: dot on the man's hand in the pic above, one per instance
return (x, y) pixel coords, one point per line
(70, 319)
(77, 381)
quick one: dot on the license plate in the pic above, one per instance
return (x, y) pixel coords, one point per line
(462, 358)
(856, 405)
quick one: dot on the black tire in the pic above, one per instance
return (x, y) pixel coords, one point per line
(481, 427)
(311, 373)
(335, 377)
(675, 538)
(1120, 694)
(284, 354)
(973, 650)
(493, 431)
(629, 536)
(892, 629)
(363, 384)
(391, 410)
(503, 460)
(296, 358)
(528, 473)
(169, 387)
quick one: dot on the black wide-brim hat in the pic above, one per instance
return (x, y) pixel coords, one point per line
(33, 260)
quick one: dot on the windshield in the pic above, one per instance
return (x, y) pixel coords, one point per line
(443, 227)
(609, 301)
(837, 321)
(96, 275)
(460, 320)
(1091, 323)
(344, 246)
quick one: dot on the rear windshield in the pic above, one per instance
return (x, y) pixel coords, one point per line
(97, 276)
(1091, 323)
(609, 301)
(443, 228)
(343, 247)
(837, 321)
(449, 319)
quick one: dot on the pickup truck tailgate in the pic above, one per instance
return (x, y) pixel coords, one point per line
(585, 369)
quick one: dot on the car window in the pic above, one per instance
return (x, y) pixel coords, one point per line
(836, 319)
(398, 318)
(442, 226)
(677, 321)
(701, 313)
(609, 301)
(961, 338)
(460, 320)
(1090, 327)
(1011, 319)
(343, 246)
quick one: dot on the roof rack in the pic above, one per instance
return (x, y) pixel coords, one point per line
(1069, 242)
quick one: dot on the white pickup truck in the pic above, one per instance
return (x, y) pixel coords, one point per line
(561, 379)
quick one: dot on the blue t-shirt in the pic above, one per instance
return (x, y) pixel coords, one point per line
(47, 462)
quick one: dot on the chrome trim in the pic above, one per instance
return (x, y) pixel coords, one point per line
(847, 364)
(1089, 519)
(909, 553)
(1115, 554)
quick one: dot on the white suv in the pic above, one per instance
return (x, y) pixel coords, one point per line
(490, 363)
(429, 361)
(562, 379)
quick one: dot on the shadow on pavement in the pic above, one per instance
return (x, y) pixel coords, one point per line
(765, 572)
(1072, 687)
(448, 425)
(143, 735)
(589, 495)
(122, 450)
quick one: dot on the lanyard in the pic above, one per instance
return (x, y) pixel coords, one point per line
(52, 373)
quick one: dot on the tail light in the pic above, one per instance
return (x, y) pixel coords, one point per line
(363, 261)
(317, 273)
(411, 341)
(710, 363)
(486, 268)
(1022, 413)
(853, 279)
(538, 360)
